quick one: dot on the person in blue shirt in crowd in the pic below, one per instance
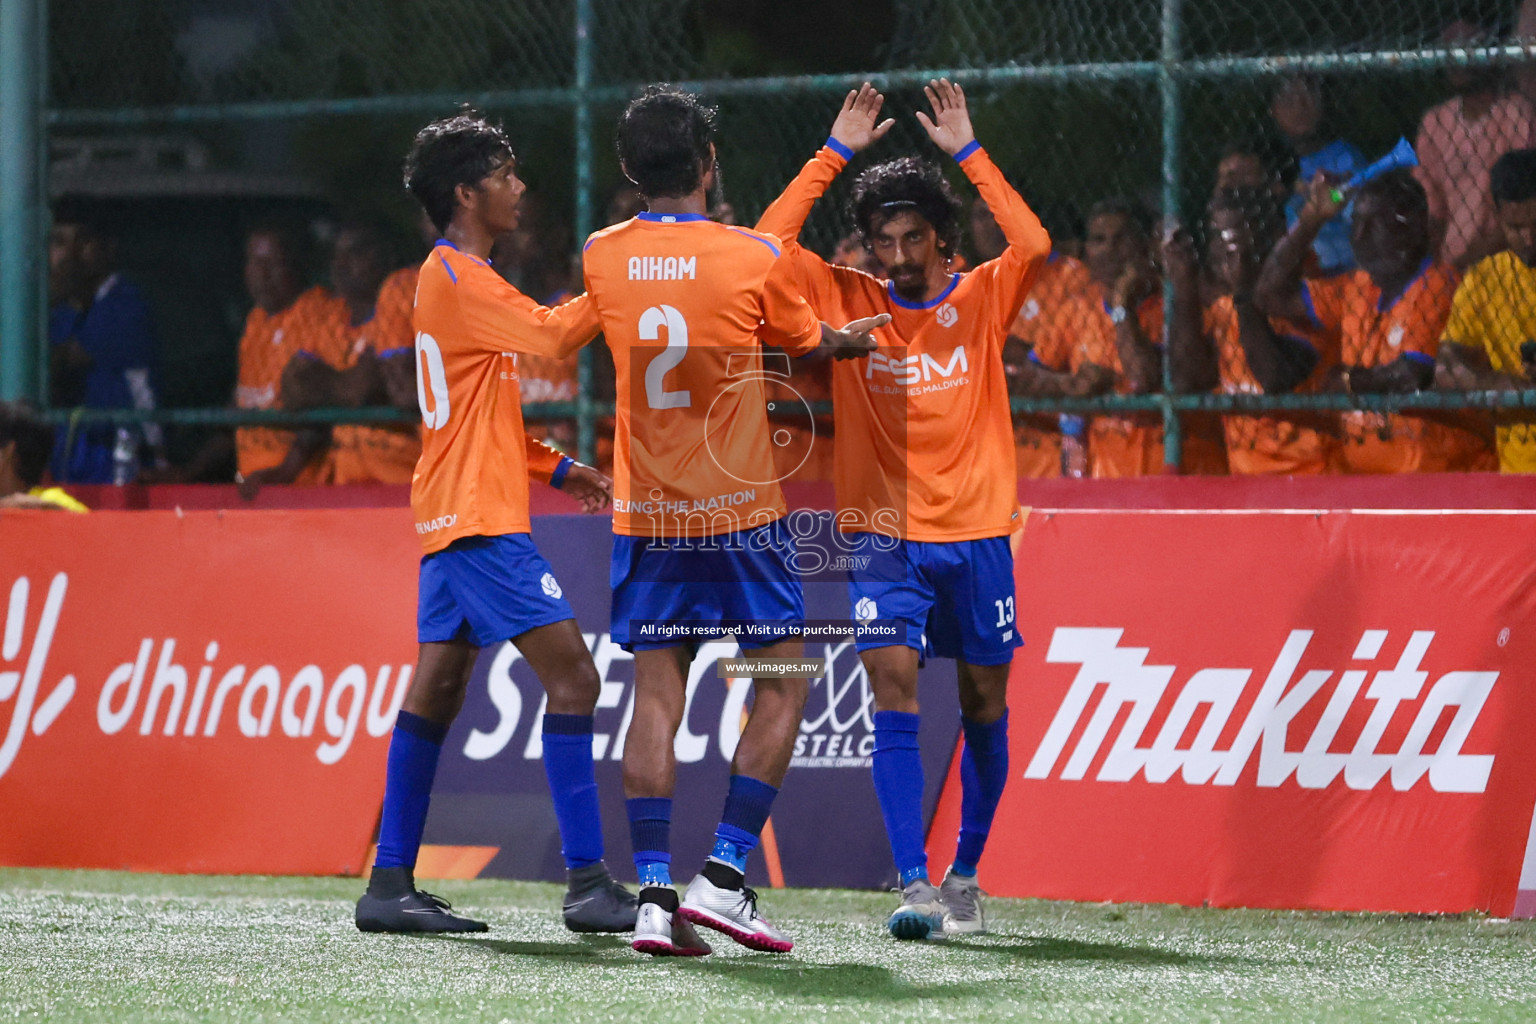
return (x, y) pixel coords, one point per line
(1297, 107)
(101, 344)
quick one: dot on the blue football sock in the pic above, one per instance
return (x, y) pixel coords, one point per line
(983, 774)
(650, 834)
(747, 804)
(572, 784)
(898, 771)
(413, 750)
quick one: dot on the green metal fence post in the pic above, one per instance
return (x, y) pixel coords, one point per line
(1173, 127)
(586, 406)
(22, 67)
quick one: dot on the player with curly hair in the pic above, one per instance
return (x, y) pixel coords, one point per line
(924, 464)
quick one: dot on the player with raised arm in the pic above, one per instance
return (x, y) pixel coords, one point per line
(482, 580)
(924, 465)
(697, 506)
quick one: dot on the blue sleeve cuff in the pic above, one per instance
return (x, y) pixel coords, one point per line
(396, 351)
(838, 148)
(557, 478)
(961, 156)
(1420, 358)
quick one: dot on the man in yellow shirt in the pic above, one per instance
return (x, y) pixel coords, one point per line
(25, 443)
(1492, 328)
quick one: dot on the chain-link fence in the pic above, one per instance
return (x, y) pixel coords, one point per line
(189, 122)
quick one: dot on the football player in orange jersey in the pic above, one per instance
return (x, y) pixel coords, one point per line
(925, 474)
(482, 581)
(701, 542)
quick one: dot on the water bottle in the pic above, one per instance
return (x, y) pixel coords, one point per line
(125, 457)
(1074, 446)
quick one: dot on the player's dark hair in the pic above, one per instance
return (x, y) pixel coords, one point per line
(19, 423)
(1513, 178)
(1135, 214)
(1257, 208)
(453, 151)
(663, 140)
(1399, 189)
(907, 183)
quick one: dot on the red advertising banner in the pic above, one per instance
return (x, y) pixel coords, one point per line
(1270, 709)
(200, 692)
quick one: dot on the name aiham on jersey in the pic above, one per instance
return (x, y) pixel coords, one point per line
(663, 268)
(1136, 689)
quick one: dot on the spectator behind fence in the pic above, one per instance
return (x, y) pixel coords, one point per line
(1112, 324)
(535, 259)
(25, 445)
(1033, 370)
(1297, 107)
(1232, 346)
(275, 274)
(1458, 142)
(276, 329)
(339, 364)
(1389, 314)
(101, 347)
(379, 365)
(1490, 338)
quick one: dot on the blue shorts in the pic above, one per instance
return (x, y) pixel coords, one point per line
(486, 590)
(741, 583)
(956, 598)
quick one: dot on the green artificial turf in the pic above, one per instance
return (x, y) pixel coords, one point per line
(98, 946)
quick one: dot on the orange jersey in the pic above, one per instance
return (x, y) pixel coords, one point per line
(1297, 444)
(385, 455)
(683, 302)
(1037, 440)
(924, 438)
(472, 479)
(802, 440)
(1129, 444)
(269, 342)
(1373, 333)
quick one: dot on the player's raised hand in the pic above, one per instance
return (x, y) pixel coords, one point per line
(589, 486)
(950, 127)
(855, 339)
(858, 124)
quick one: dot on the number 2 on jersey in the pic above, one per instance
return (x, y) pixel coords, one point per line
(432, 376)
(651, 321)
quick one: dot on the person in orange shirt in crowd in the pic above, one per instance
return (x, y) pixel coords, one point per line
(284, 315)
(1111, 324)
(482, 581)
(1030, 369)
(372, 362)
(1231, 346)
(1389, 315)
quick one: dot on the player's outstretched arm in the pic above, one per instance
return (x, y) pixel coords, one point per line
(591, 487)
(856, 126)
(503, 319)
(852, 340)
